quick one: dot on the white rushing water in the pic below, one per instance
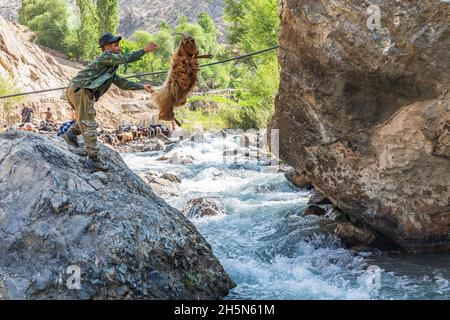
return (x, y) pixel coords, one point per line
(273, 253)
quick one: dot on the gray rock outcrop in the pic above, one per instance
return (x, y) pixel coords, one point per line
(58, 220)
(201, 207)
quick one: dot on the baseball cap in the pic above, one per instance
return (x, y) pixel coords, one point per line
(108, 38)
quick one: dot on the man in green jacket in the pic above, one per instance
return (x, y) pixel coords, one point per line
(90, 84)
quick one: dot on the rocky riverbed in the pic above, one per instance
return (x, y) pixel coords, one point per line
(259, 227)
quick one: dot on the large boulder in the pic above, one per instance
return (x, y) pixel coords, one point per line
(314, 210)
(171, 177)
(354, 237)
(318, 198)
(161, 186)
(369, 99)
(298, 180)
(201, 207)
(57, 218)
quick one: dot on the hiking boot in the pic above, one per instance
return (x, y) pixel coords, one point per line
(71, 139)
(79, 152)
(95, 164)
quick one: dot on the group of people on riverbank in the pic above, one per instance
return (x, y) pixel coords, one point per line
(47, 124)
(121, 135)
(127, 133)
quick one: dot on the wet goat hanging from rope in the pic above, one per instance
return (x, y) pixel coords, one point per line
(181, 79)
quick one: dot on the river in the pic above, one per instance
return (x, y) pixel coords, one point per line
(269, 250)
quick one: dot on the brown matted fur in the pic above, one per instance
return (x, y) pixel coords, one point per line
(181, 79)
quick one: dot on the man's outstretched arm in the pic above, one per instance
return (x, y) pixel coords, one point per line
(125, 84)
(113, 59)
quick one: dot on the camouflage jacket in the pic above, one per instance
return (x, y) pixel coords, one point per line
(101, 73)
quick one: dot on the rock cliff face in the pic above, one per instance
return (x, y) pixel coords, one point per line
(148, 15)
(364, 111)
(56, 216)
(31, 67)
(9, 9)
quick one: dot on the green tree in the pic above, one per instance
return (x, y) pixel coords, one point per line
(217, 76)
(254, 25)
(206, 22)
(147, 63)
(48, 19)
(8, 86)
(193, 30)
(72, 48)
(87, 33)
(182, 20)
(108, 15)
(234, 11)
(165, 26)
(256, 95)
(165, 41)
